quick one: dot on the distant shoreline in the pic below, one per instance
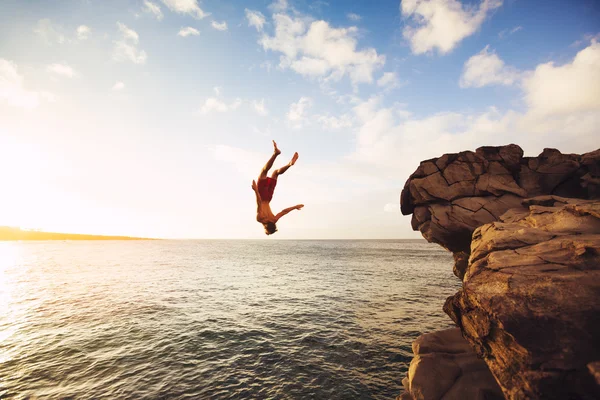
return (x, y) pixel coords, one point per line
(8, 233)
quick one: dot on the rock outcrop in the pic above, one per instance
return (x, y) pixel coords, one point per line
(445, 367)
(530, 302)
(453, 195)
(525, 233)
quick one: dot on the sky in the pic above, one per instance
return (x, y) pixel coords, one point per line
(151, 117)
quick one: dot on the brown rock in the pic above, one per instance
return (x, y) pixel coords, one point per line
(529, 303)
(451, 196)
(446, 367)
(526, 244)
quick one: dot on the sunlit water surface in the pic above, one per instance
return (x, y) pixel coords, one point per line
(216, 319)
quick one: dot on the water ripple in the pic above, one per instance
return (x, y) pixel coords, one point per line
(216, 319)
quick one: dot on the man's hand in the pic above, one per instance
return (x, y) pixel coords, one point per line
(254, 187)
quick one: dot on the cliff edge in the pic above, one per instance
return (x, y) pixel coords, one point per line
(525, 234)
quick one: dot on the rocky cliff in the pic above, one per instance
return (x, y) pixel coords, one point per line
(525, 234)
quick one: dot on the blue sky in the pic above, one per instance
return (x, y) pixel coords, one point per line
(152, 117)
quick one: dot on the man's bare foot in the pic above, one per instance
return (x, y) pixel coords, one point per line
(275, 149)
(294, 159)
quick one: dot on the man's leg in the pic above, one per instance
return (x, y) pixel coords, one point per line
(281, 170)
(269, 164)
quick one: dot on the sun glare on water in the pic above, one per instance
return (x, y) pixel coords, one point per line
(9, 255)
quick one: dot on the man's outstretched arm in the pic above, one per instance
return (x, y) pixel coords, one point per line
(287, 210)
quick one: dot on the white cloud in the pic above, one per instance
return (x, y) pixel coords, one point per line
(268, 65)
(185, 32)
(486, 68)
(49, 32)
(353, 17)
(52, 33)
(563, 112)
(570, 88)
(190, 7)
(62, 70)
(319, 50)
(220, 26)
(278, 5)
(588, 37)
(153, 8)
(442, 24)
(126, 48)
(214, 104)
(128, 34)
(390, 147)
(12, 89)
(259, 107)
(507, 32)
(255, 19)
(388, 80)
(334, 123)
(217, 90)
(118, 86)
(83, 32)
(297, 113)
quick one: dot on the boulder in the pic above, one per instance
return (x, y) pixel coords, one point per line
(450, 196)
(445, 367)
(525, 235)
(530, 302)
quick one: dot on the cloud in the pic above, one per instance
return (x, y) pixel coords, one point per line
(153, 8)
(185, 32)
(118, 86)
(213, 104)
(83, 32)
(186, 7)
(549, 89)
(12, 89)
(255, 19)
(49, 33)
(507, 32)
(320, 51)
(388, 147)
(570, 88)
(259, 107)
(563, 111)
(126, 48)
(388, 80)
(220, 26)
(278, 5)
(297, 113)
(442, 24)
(335, 123)
(587, 38)
(217, 90)
(53, 33)
(61, 69)
(268, 65)
(128, 34)
(486, 68)
(353, 17)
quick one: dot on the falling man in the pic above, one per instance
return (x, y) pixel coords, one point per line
(264, 193)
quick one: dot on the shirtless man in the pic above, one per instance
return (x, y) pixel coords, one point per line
(264, 193)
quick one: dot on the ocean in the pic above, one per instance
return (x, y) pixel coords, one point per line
(216, 319)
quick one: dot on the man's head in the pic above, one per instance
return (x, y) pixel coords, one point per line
(270, 228)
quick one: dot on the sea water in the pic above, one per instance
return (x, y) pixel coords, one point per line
(230, 319)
